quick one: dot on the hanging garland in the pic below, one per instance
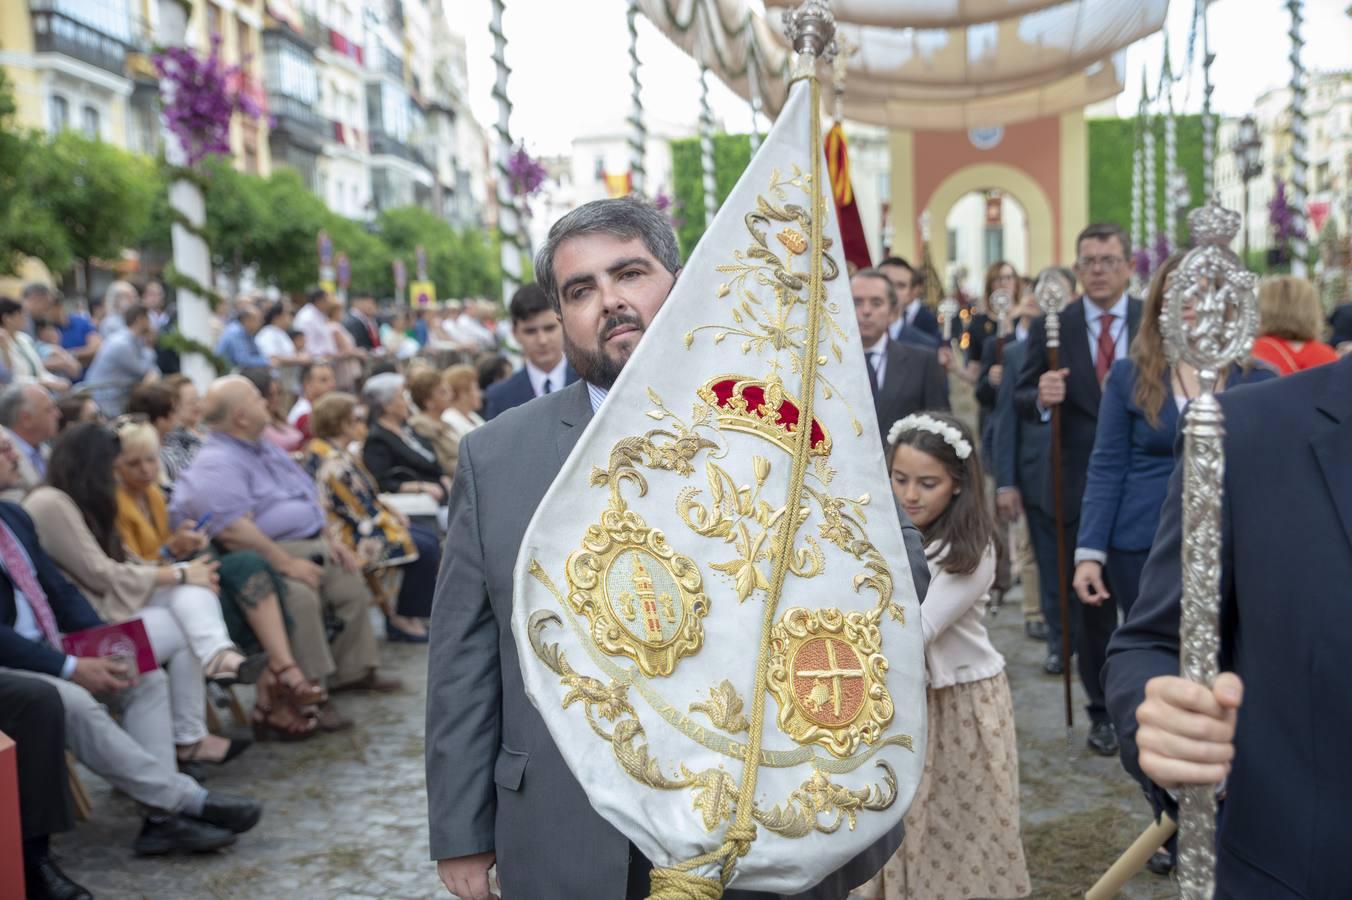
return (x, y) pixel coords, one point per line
(176, 279)
(181, 344)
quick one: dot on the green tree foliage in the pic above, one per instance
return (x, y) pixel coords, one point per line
(732, 154)
(1111, 142)
(97, 194)
(27, 228)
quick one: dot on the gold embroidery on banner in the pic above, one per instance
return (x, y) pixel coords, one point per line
(644, 600)
(717, 743)
(829, 677)
(724, 708)
(714, 790)
(774, 416)
(793, 241)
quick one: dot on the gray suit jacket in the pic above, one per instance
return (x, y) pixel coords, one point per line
(495, 779)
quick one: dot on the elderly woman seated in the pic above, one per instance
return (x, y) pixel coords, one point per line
(75, 512)
(250, 590)
(384, 541)
(401, 461)
(432, 397)
(179, 446)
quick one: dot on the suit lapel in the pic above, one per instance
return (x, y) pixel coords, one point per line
(1077, 356)
(573, 418)
(893, 377)
(1332, 442)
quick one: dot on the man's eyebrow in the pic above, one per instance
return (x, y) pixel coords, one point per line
(641, 261)
(614, 268)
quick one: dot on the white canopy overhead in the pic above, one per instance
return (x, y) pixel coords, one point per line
(1033, 58)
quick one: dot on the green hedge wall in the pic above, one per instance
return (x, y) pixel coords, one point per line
(1111, 142)
(732, 153)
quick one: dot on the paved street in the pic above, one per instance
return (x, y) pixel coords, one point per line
(346, 814)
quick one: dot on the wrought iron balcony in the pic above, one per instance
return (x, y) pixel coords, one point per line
(382, 143)
(56, 32)
(298, 121)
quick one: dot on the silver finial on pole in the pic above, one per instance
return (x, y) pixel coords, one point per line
(948, 312)
(1210, 318)
(1000, 303)
(811, 29)
(1051, 298)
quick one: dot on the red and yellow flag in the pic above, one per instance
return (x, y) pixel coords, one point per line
(851, 228)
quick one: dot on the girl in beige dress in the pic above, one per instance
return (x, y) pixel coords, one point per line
(962, 829)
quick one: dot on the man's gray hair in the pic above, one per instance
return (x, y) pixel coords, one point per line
(879, 274)
(625, 218)
(378, 391)
(13, 403)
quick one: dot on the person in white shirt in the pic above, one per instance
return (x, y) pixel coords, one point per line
(962, 830)
(313, 321)
(274, 341)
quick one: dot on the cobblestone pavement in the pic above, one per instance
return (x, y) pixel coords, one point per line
(346, 813)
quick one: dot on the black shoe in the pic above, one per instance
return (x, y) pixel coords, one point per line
(1036, 629)
(179, 834)
(1053, 665)
(1162, 863)
(46, 882)
(234, 814)
(1103, 738)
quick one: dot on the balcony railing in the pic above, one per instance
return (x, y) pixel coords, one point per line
(55, 32)
(382, 143)
(298, 119)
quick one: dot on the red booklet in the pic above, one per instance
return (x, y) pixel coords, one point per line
(126, 639)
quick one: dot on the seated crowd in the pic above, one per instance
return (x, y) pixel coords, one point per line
(249, 528)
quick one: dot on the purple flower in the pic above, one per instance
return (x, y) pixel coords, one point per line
(1140, 261)
(525, 174)
(1160, 252)
(199, 97)
(1282, 219)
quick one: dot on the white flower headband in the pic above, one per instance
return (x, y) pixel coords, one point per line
(919, 422)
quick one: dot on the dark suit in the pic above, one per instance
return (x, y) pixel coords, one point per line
(1019, 449)
(69, 606)
(393, 462)
(32, 715)
(904, 333)
(517, 390)
(361, 336)
(495, 778)
(1079, 423)
(913, 381)
(1286, 629)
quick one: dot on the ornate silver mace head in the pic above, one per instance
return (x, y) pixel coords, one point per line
(1210, 313)
(811, 29)
(1001, 302)
(1051, 294)
(948, 314)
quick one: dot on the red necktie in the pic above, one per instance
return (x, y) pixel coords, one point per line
(20, 570)
(375, 335)
(1107, 347)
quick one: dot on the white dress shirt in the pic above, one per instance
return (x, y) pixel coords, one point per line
(273, 342)
(556, 377)
(1121, 335)
(879, 361)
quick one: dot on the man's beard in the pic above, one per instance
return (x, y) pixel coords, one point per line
(596, 366)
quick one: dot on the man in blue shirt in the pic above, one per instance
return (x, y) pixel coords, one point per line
(123, 361)
(237, 341)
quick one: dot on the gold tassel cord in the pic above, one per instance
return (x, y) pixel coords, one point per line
(678, 882)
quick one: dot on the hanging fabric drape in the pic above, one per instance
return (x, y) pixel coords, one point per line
(1021, 61)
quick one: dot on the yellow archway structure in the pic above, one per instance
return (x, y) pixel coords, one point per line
(998, 176)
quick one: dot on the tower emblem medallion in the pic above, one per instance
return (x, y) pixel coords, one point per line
(643, 600)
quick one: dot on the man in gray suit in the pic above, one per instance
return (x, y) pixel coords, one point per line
(498, 788)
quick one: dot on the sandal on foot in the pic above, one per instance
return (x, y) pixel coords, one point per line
(247, 673)
(282, 724)
(302, 691)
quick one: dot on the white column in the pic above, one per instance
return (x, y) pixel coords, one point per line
(638, 134)
(1151, 225)
(190, 252)
(706, 147)
(1295, 193)
(509, 220)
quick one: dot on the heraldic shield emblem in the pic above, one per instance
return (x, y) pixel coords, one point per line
(715, 611)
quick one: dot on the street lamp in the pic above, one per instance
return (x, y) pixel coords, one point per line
(1246, 147)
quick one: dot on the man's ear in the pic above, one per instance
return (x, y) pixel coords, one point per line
(677, 274)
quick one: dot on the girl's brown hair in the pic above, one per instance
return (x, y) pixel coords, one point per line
(992, 273)
(1147, 350)
(965, 528)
